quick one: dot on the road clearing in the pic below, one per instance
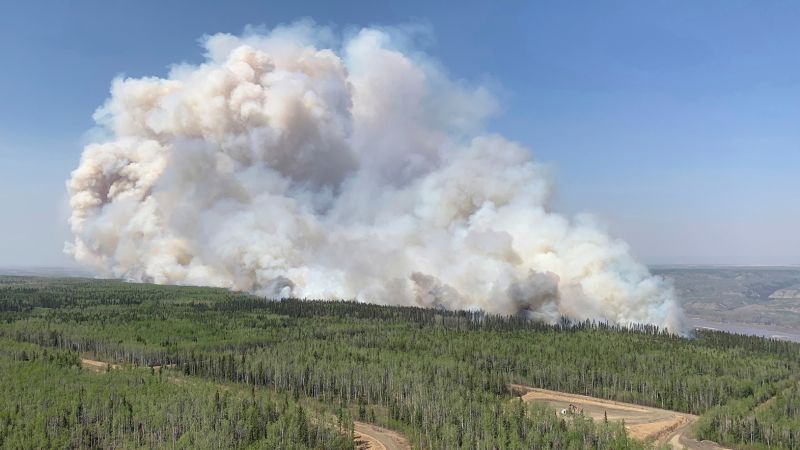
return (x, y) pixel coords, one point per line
(659, 426)
(98, 366)
(366, 437)
(372, 437)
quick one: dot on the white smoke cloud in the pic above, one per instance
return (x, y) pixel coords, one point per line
(284, 167)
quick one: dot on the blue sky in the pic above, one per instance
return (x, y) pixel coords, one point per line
(677, 123)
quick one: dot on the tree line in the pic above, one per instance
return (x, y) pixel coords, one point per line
(441, 377)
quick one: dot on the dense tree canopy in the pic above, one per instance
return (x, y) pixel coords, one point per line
(298, 372)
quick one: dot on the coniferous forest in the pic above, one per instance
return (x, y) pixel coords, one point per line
(191, 367)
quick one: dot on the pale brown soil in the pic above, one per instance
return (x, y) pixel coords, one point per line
(166, 366)
(369, 436)
(656, 425)
(97, 366)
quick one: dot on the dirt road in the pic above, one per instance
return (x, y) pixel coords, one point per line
(97, 366)
(373, 437)
(642, 422)
(367, 436)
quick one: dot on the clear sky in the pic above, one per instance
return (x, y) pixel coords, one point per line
(676, 122)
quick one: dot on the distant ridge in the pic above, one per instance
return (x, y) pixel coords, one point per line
(789, 293)
(725, 266)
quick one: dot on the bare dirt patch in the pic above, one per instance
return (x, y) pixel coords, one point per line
(373, 437)
(98, 366)
(659, 426)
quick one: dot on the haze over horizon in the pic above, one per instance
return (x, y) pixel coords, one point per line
(649, 117)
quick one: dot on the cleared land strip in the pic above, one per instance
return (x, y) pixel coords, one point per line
(641, 422)
(367, 436)
(97, 366)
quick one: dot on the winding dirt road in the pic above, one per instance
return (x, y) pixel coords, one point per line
(645, 423)
(367, 436)
(373, 437)
(641, 422)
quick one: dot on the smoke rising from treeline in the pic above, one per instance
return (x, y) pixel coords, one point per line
(292, 164)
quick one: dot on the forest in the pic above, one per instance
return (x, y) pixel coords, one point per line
(211, 368)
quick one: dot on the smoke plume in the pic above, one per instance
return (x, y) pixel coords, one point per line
(290, 163)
